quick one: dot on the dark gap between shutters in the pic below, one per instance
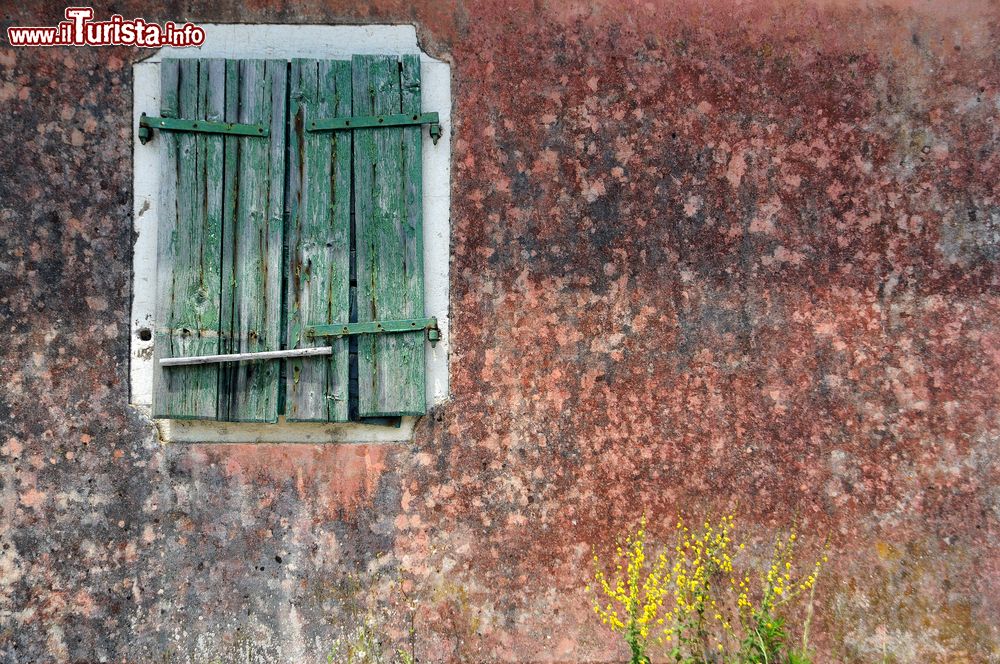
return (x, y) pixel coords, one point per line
(283, 366)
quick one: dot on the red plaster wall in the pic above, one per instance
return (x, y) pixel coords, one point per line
(705, 256)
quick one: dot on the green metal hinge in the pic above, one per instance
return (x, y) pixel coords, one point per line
(378, 327)
(375, 121)
(147, 124)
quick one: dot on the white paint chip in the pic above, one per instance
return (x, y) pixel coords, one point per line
(286, 42)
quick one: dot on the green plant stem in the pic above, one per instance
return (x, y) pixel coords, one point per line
(763, 648)
(636, 648)
(808, 620)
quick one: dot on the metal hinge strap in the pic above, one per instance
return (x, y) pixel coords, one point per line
(147, 124)
(375, 121)
(377, 327)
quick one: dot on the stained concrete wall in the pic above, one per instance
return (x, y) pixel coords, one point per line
(702, 254)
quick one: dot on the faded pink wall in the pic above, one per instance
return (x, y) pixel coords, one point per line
(703, 255)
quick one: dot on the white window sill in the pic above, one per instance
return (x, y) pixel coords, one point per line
(197, 431)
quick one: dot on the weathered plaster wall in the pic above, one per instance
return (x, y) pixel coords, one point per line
(702, 253)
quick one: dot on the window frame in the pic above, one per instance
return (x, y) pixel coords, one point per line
(287, 42)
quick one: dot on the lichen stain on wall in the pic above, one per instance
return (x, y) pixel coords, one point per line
(703, 255)
(335, 480)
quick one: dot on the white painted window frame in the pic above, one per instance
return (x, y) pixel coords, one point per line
(287, 42)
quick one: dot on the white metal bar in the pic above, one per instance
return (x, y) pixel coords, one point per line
(244, 357)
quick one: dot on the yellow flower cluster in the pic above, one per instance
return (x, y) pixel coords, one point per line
(699, 558)
(633, 596)
(630, 597)
(780, 583)
(678, 598)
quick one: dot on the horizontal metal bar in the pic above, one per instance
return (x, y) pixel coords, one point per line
(372, 327)
(368, 122)
(245, 357)
(336, 330)
(202, 126)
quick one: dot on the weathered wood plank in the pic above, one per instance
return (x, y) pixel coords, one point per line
(228, 341)
(190, 253)
(319, 239)
(257, 242)
(338, 73)
(388, 240)
(166, 233)
(214, 79)
(411, 346)
(277, 71)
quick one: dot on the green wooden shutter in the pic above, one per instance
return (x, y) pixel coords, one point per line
(353, 201)
(319, 236)
(382, 168)
(220, 239)
(389, 236)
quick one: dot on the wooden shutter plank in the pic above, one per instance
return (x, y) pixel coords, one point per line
(188, 259)
(251, 388)
(166, 231)
(388, 237)
(411, 346)
(214, 151)
(319, 239)
(228, 341)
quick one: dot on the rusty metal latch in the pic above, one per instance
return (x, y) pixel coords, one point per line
(345, 123)
(428, 325)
